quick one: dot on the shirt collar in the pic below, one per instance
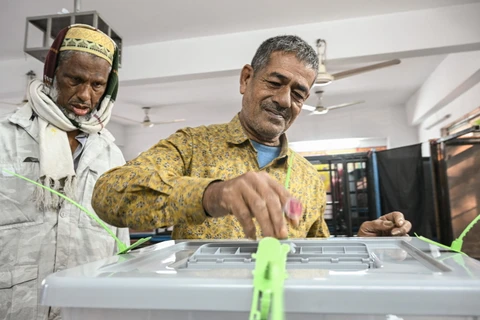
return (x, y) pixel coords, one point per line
(82, 136)
(236, 135)
(23, 117)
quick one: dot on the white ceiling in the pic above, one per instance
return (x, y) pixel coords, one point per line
(216, 100)
(145, 21)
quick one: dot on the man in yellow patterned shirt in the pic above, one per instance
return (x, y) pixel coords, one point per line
(229, 181)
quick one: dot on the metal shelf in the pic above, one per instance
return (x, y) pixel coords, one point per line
(50, 25)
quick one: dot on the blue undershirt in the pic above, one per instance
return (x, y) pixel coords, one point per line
(265, 154)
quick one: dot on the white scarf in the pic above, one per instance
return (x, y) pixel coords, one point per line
(56, 161)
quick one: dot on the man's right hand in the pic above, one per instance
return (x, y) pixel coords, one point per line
(253, 194)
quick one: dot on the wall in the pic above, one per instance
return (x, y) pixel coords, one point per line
(453, 88)
(455, 75)
(360, 121)
(139, 139)
(6, 108)
(118, 131)
(13, 79)
(357, 122)
(399, 132)
(464, 104)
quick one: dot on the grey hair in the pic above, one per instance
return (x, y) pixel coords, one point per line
(67, 54)
(286, 44)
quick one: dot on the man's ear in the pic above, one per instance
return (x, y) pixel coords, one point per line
(245, 77)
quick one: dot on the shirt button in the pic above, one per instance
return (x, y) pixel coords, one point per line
(62, 214)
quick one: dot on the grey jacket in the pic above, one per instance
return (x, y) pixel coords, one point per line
(34, 244)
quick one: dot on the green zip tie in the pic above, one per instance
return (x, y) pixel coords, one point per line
(459, 259)
(457, 243)
(122, 247)
(435, 243)
(268, 278)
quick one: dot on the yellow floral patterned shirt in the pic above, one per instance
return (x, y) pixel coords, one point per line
(164, 186)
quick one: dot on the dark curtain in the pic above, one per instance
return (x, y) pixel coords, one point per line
(402, 185)
(372, 205)
(428, 223)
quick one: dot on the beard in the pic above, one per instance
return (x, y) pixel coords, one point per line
(53, 94)
(264, 126)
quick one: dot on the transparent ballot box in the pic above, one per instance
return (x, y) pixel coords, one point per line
(335, 278)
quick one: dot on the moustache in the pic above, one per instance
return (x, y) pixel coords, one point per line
(284, 112)
(81, 104)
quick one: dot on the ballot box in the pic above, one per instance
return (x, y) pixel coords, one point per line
(334, 278)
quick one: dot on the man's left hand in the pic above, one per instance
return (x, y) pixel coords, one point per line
(391, 224)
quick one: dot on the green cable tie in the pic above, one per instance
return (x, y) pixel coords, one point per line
(122, 247)
(435, 243)
(459, 259)
(457, 244)
(268, 279)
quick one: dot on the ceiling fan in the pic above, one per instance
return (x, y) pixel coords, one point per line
(321, 109)
(31, 75)
(146, 120)
(324, 78)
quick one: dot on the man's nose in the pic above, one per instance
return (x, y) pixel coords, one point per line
(283, 97)
(84, 93)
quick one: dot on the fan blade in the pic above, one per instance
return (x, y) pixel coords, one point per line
(352, 72)
(343, 105)
(125, 119)
(308, 108)
(12, 103)
(170, 121)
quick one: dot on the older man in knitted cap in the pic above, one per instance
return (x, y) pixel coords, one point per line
(58, 139)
